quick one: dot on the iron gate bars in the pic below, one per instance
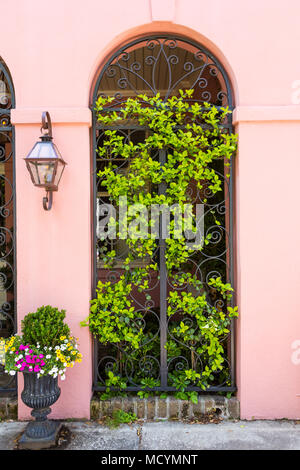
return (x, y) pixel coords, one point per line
(164, 64)
(7, 220)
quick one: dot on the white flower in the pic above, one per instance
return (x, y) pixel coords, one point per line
(12, 372)
(42, 371)
(50, 349)
(48, 356)
(54, 376)
(63, 377)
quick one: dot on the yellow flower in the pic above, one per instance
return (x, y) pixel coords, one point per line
(62, 338)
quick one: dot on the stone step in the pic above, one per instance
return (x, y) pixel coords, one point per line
(167, 408)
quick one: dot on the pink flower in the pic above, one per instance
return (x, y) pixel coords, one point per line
(42, 363)
(37, 368)
(41, 355)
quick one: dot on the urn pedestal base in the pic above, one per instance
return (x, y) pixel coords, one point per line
(29, 441)
(39, 394)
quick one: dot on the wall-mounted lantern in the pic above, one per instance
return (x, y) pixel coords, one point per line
(44, 163)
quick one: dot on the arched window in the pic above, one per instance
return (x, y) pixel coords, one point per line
(164, 64)
(7, 218)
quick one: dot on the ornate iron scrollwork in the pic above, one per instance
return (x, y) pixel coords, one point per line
(7, 218)
(165, 64)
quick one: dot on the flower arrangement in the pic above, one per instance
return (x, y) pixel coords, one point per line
(21, 357)
(46, 346)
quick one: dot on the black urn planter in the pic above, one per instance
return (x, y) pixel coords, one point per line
(39, 394)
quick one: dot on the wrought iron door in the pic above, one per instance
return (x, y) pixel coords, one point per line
(150, 65)
(7, 220)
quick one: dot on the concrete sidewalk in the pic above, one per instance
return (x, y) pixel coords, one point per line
(165, 435)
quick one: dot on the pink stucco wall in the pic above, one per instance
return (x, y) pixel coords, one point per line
(53, 52)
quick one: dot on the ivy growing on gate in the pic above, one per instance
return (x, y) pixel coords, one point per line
(194, 139)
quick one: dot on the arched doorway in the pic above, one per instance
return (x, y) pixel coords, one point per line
(164, 64)
(7, 219)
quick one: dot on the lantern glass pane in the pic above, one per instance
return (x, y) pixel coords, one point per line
(42, 172)
(34, 172)
(59, 172)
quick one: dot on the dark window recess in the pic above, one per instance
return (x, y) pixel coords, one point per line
(7, 221)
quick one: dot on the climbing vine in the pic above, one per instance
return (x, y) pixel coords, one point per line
(194, 141)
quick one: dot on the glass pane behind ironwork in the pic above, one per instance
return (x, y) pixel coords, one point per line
(165, 65)
(7, 276)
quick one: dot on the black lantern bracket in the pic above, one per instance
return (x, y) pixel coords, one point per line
(47, 200)
(46, 128)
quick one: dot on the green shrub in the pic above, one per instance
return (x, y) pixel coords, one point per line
(45, 326)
